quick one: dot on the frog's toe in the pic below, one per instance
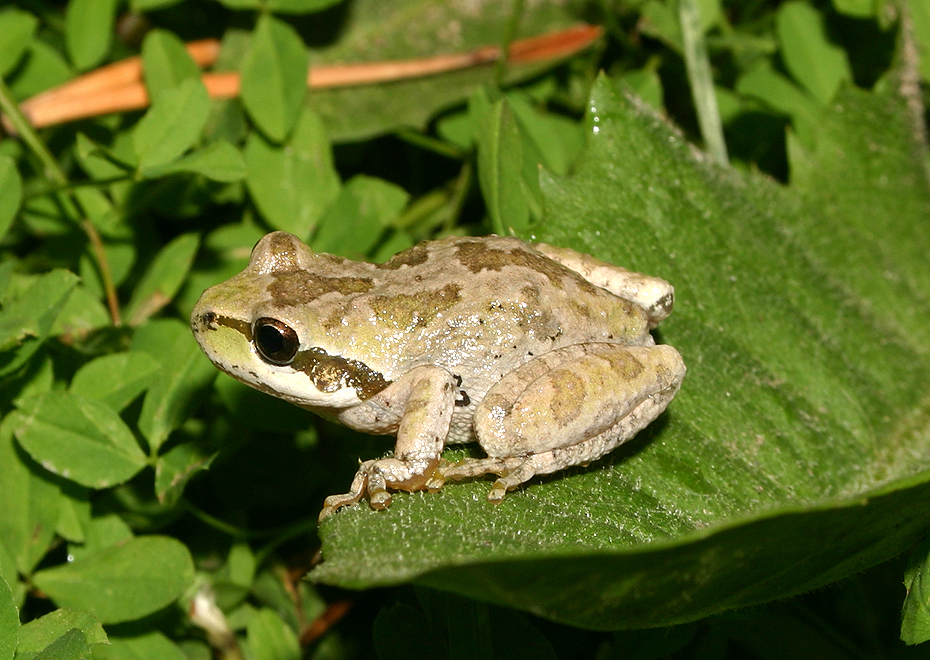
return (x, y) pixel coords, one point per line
(510, 480)
(435, 483)
(335, 502)
(379, 500)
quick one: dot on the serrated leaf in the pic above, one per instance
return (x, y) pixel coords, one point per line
(88, 30)
(182, 380)
(152, 5)
(26, 321)
(241, 4)
(124, 582)
(151, 646)
(42, 633)
(818, 64)
(104, 531)
(79, 439)
(41, 68)
(175, 468)
(270, 638)
(116, 379)
(71, 645)
(798, 450)
(777, 91)
(299, 6)
(9, 622)
(165, 62)
(856, 8)
(500, 162)
(172, 124)
(31, 503)
(100, 162)
(163, 278)
(18, 28)
(356, 219)
(218, 161)
(73, 511)
(292, 184)
(11, 188)
(274, 77)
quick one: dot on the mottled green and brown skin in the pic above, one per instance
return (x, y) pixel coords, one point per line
(541, 353)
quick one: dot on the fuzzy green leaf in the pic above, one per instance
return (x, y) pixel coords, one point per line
(218, 161)
(798, 450)
(150, 646)
(26, 321)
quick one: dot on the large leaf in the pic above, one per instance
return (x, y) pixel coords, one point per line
(798, 449)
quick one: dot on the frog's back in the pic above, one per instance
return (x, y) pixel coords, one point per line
(492, 299)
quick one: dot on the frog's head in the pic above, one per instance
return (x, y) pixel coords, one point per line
(259, 326)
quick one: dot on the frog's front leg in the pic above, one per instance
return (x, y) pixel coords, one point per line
(567, 407)
(418, 406)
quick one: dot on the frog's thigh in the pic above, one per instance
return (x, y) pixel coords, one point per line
(569, 407)
(572, 394)
(653, 294)
(419, 405)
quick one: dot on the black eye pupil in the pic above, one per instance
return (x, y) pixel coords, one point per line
(276, 342)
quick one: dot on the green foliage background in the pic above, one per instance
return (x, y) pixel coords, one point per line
(154, 509)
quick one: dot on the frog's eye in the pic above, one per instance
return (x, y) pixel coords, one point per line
(276, 342)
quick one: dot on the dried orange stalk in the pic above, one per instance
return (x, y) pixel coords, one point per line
(118, 87)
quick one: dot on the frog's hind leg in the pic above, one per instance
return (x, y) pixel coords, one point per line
(567, 407)
(513, 471)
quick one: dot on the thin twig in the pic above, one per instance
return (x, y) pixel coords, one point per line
(58, 177)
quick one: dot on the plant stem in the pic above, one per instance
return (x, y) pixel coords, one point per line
(701, 80)
(53, 172)
(28, 135)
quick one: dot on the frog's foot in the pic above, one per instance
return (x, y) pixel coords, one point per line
(375, 478)
(512, 471)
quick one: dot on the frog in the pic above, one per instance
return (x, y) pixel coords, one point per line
(541, 354)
